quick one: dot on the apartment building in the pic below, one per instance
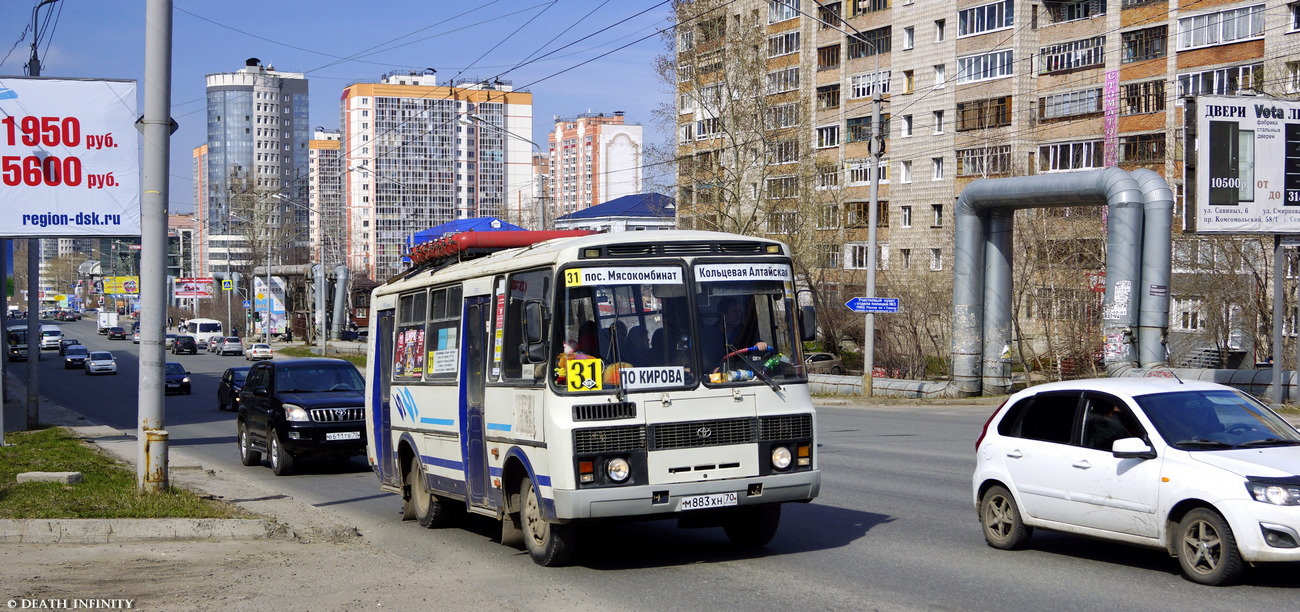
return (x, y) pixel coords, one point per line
(416, 154)
(595, 158)
(251, 183)
(327, 208)
(971, 89)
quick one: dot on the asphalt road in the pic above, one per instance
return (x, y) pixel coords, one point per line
(894, 527)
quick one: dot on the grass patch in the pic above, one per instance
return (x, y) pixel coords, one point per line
(306, 351)
(107, 491)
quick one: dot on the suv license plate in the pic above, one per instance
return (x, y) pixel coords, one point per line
(700, 502)
(343, 435)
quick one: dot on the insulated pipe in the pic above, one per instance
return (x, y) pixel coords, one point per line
(340, 300)
(1110, 186)
(1157, 245)
(996, 368)
(318, 326)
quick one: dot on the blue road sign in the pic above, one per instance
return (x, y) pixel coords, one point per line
(248, 304)
(866, 304)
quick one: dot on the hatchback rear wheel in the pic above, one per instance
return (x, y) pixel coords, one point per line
(1000, 517)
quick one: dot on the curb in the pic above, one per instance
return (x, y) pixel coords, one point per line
(116, 531)
(186, 472)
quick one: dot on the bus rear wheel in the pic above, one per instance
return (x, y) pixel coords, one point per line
(549, 544)
(753, 526)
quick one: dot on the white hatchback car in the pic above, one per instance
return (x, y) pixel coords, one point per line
(258, 351)
(1199, 469)
(101, 362)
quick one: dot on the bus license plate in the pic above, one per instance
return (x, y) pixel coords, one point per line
(700, 502)
(343, 435)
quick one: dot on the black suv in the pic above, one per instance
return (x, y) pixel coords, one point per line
(298, 408)
(185, 344)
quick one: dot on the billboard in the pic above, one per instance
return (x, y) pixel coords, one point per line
(193, 287)
(116, 285)
(1248, 155)
(69, 158)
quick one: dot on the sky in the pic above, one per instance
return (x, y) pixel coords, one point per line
(581, 55)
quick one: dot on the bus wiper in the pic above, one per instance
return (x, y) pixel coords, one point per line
(621, 391)
(759, 371)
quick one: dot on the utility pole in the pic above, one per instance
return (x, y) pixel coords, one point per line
(157, 126)
(873, 217)
(34, 270)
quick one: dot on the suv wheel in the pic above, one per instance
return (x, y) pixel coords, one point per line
(1000, 518)
(281, 460)
(247, 455)
(1207, 550)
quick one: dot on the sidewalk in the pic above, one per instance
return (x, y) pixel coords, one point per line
(297, 557)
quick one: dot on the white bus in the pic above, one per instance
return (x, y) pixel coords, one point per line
(653, 375)
(203, 328)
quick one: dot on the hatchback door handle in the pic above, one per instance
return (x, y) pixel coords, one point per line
(1015, 454)
(1083, 464)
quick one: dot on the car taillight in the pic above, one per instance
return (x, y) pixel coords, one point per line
(985, 430)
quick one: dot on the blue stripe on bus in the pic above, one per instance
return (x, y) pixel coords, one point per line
(437, 421)
(543, 481)
(494, 471)
(499, 426)
(450, 464)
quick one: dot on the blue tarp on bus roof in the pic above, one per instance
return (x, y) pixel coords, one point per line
(477, 224)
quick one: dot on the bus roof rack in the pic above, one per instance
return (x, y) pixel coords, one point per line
(455, 248)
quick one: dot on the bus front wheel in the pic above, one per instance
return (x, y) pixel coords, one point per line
(549, 544)
(423, 506)
(753, 526)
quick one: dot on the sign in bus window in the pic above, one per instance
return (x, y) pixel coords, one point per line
(408, 353)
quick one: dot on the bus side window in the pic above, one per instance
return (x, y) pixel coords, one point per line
(533, 285)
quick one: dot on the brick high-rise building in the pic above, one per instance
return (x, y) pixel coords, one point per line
(594, 158)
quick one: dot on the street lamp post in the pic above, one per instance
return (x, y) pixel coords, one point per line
(541, 200)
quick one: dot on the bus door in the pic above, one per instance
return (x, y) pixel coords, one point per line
(478, 339)
(385, 457)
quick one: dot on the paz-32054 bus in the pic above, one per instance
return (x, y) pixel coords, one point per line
(654, 375)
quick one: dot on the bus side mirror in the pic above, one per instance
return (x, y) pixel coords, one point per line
(532, 322)
(807, 323)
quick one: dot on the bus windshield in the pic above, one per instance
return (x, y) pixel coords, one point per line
(636, 328)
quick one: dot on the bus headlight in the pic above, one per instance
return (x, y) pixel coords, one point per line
(780, 457)
(618, 469)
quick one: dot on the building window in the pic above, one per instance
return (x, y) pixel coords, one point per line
(783, 152)
(707, 128)
(871, 42)
(1144, 97)
(983, 114)
(909, 81)
(906, 129)
(1139, 45)
(781, 10)
(984, 161)
(1072, 55)
(936, 163)
(861, 85)
(828, 15)
(1142, 149)
(828, 58)
(1187, 313)
(828, 180)
(909, 37)
(938, 122)
(905, 216)
(1070, 156)
(870, 6)
(828, 96)
(1293, 76)
(1074, 10)
(1223, 81)
(783, 222)
(856, 257)
(937, 210)
(905, 171)
(829, 256)
(936, 259)
(1221, 27)
(940, 75)
(782, 187)
(784, 43)
(783, 116)
(783, 80)
(860, 171)
(1295, 17)
(1070, 104)
(906, 255)
(985, 18)
(858, 214)
(984, 66)
(939, 33)
(829, 217)
(828, 136)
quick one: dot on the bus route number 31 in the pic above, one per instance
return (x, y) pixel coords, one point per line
(585, 374)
